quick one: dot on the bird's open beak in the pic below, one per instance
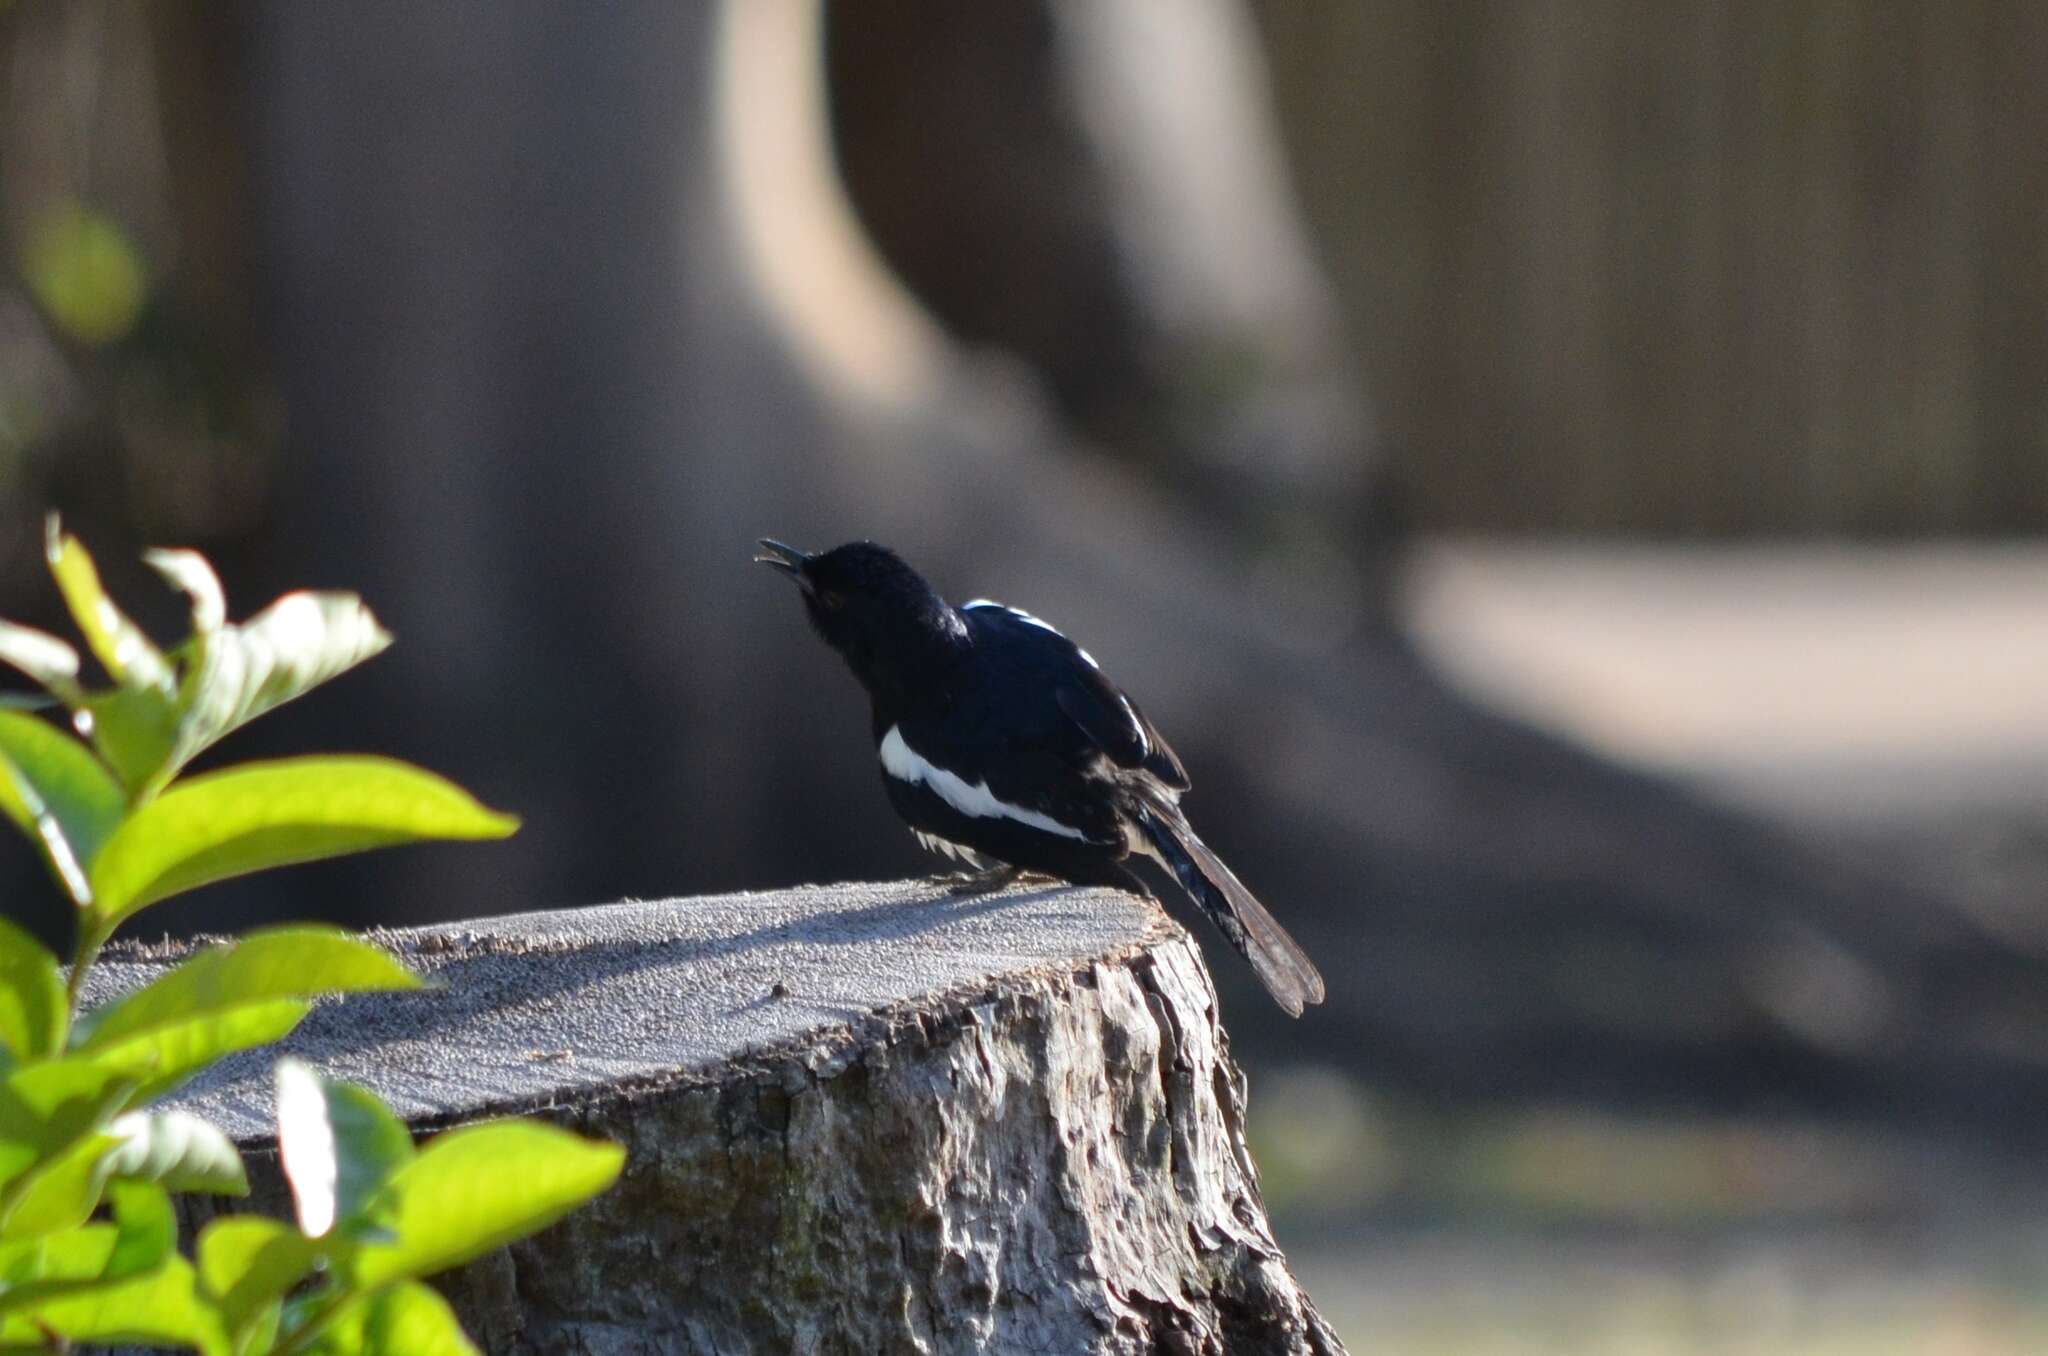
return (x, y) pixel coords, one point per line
(785, 558)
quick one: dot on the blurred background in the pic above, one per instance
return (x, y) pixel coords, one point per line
(1569, 477)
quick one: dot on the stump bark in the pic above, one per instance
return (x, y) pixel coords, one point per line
(859, 1119)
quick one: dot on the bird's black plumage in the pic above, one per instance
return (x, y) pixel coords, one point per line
(1003, 743)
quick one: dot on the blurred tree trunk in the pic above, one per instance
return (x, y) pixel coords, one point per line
(1100, 190)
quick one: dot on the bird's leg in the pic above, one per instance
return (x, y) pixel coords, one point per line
(986, 882)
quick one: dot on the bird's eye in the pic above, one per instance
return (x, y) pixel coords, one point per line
(829, 600)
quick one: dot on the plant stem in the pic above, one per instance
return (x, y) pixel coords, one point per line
(90, 940)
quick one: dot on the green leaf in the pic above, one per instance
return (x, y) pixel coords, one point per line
(20, 803)
(73, 784)
(129, 656)
(46, 1108)
(231, 997)
(176, 1150)
(259, 1334)
(144, 1232)
(133, 725)
(58, 793)
(133, 728)
(247, 1262)
(32, 1008)
(273, 963)
(59, 1193)
(42, 657)
(340, 1146)
(269, 814)
(36, 1268)
(478, 1188)
(234, 674)
(163, 1307)
(162, 1057)
(405, 1320)
(148, 1227)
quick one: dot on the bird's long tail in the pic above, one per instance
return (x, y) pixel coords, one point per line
(1278, 960)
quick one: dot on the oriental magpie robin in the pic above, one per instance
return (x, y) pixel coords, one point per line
(1004, 744)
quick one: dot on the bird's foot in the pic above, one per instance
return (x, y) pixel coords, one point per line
(966, 884)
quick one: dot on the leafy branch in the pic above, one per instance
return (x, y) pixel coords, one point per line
(88, 1237)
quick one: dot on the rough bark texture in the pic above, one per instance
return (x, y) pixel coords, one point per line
(1047, 1158)
(1053, 1164)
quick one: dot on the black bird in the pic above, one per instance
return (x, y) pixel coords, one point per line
(1004, 744)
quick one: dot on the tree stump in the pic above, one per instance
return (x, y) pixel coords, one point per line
(860, 1119)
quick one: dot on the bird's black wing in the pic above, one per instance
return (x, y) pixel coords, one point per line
(1108, 722)
(999, 750)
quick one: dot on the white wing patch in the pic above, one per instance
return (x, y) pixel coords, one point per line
(906, 764)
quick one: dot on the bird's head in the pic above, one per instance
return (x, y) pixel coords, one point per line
(869, 605)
